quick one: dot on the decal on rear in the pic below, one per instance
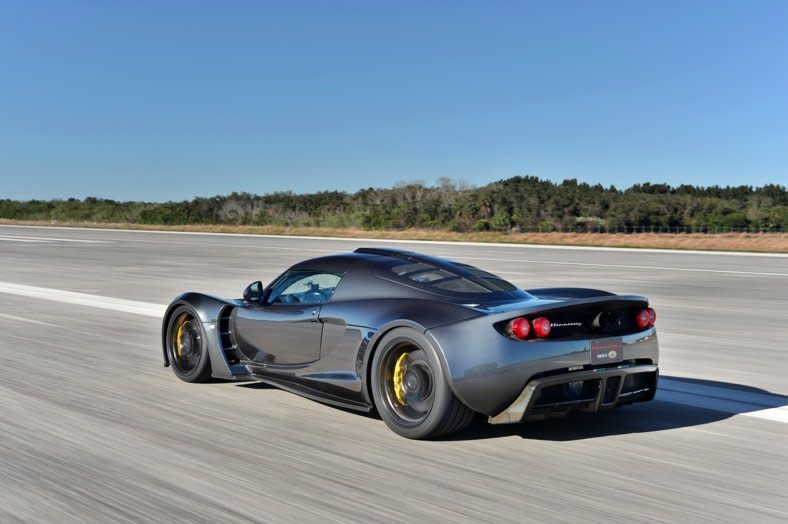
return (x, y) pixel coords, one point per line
(606, 350)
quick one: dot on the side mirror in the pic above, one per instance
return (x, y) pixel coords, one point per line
(254, 291)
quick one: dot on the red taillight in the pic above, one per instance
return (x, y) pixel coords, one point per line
(520, 328)
(542, 327)
(646, 318)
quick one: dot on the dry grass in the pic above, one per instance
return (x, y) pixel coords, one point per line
(760, 242)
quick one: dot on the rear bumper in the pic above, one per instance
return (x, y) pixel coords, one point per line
(588, 390)
(487, 371)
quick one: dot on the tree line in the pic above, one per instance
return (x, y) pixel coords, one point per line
(522, 203)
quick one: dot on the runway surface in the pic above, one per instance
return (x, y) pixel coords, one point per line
(94, 429)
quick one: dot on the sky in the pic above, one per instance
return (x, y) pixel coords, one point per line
(168, 100)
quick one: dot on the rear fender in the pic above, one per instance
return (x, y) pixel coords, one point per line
(487, 371)
(372, 344)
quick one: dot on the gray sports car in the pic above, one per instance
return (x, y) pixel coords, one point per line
(425, 341)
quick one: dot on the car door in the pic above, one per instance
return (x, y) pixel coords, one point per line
(285, 328)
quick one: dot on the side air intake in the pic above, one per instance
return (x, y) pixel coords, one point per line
(229, 345)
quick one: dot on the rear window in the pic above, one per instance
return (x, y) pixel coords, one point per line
(461, 285)
(404, 269)
(493, 281)
(431, 275)
(440, 278)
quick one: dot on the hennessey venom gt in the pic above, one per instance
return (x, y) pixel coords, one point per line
(425, 341)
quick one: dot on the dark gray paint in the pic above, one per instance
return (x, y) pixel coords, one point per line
(324, 351)
(279, 334)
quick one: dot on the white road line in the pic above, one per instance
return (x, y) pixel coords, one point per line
(622, 266)
(775, 414)
(83, 299)
(27, 240)
(745, 396)
(27, 320)
(23, 238)
(512, 260)
(735, 401)
(749, 403)
(424, 242)
(487, 259)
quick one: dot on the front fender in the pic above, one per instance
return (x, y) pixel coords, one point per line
(207, 308)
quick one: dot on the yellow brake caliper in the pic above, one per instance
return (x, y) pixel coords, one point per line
(179, 340)
(399, 373)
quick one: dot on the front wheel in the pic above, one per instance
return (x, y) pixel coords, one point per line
(186, 346)
(410, 389)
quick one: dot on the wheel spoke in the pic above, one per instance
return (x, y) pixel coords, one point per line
(400, 368)
(186, 343)
(409, 383)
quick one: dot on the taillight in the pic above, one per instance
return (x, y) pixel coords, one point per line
(542, 327)
(520, 328)
(646, 318)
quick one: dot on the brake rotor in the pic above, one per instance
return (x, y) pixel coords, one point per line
(400, 368)
(182, 323)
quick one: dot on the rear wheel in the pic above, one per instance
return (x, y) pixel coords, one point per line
(186, 346)
(410, 388)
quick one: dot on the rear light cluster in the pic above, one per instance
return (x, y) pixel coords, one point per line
(521, 328)
(646, 318)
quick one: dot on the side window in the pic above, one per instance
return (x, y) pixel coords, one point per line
(304, 287)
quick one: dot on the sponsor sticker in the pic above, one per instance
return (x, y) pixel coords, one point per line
(606, 350)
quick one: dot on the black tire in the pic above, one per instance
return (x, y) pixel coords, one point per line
(187, 350)
(419, 404)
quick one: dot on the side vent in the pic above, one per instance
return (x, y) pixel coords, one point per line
(229, 346)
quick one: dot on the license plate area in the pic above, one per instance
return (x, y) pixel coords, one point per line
(606, 350)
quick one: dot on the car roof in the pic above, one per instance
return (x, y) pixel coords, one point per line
(384, 257)
(371, 272)
(331, 263)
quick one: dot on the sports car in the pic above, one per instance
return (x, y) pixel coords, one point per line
(426, 342)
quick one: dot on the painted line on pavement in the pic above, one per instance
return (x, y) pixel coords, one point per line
(762, 405)
(49, 240)
(26, 240)
(148, 309)
(749, 403)
(623, 266)
(27, 320)
(488, 259)
(424, 242)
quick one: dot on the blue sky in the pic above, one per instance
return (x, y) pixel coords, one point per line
(165, 100)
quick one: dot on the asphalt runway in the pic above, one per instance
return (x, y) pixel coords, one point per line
(94, 429)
